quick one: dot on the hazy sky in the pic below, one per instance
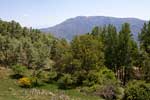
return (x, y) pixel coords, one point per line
(45, 13)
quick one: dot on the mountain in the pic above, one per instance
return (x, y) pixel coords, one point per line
(83, 24)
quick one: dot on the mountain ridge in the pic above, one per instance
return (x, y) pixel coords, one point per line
(84, 24)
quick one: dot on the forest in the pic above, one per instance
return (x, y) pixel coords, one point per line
(106, 62)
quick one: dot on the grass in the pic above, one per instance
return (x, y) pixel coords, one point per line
(9, 90)
(8, 86)
(73, 93)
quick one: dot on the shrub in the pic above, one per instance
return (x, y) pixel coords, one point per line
(36, 82)
(25, 82)
(104, 84)
(65, 81)
(52, 75)
(19, 70)
(110, 92)
(100, 77)
(137, 90)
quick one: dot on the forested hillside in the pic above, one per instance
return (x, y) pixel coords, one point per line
(104, 63)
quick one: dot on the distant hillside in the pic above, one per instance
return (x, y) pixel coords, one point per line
(82, 24)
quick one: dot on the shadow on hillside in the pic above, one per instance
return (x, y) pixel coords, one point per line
(16, 76)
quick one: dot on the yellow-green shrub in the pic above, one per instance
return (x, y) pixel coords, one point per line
(25, 82)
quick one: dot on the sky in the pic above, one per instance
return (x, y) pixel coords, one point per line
(47, 13)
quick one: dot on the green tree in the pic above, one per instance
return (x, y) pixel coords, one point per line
(111, 48)
(144, 39)
(125, 52)
(87, 54)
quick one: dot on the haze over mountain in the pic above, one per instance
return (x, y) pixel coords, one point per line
(83, 24)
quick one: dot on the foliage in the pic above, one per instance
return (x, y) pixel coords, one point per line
(125, 48)
(19, 70)
(20, 45)
(103, 84)
(37, 78)
(48, 77)
(52, 75)
(120, 50)
(100, 77)
(110, 92)
(65, 81)
(137, 90)
(87, 56)
(111, 48)
(144, 39)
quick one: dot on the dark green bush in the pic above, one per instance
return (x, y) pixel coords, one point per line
(137, 90)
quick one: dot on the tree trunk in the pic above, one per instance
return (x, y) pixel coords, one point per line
(125, 76)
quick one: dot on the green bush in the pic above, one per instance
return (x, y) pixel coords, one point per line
(48, 77)
(137, 90)
(100, 77)
(52, 75)
(110, 92)
(65, 81)
(104, 84)
(19, 70)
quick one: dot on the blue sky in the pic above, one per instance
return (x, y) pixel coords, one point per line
(45, 13)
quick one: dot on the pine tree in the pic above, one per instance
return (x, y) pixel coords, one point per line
(144, 39)
(111, 43)
(125, 52)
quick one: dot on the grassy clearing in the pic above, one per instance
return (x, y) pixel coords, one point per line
(9, 90)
